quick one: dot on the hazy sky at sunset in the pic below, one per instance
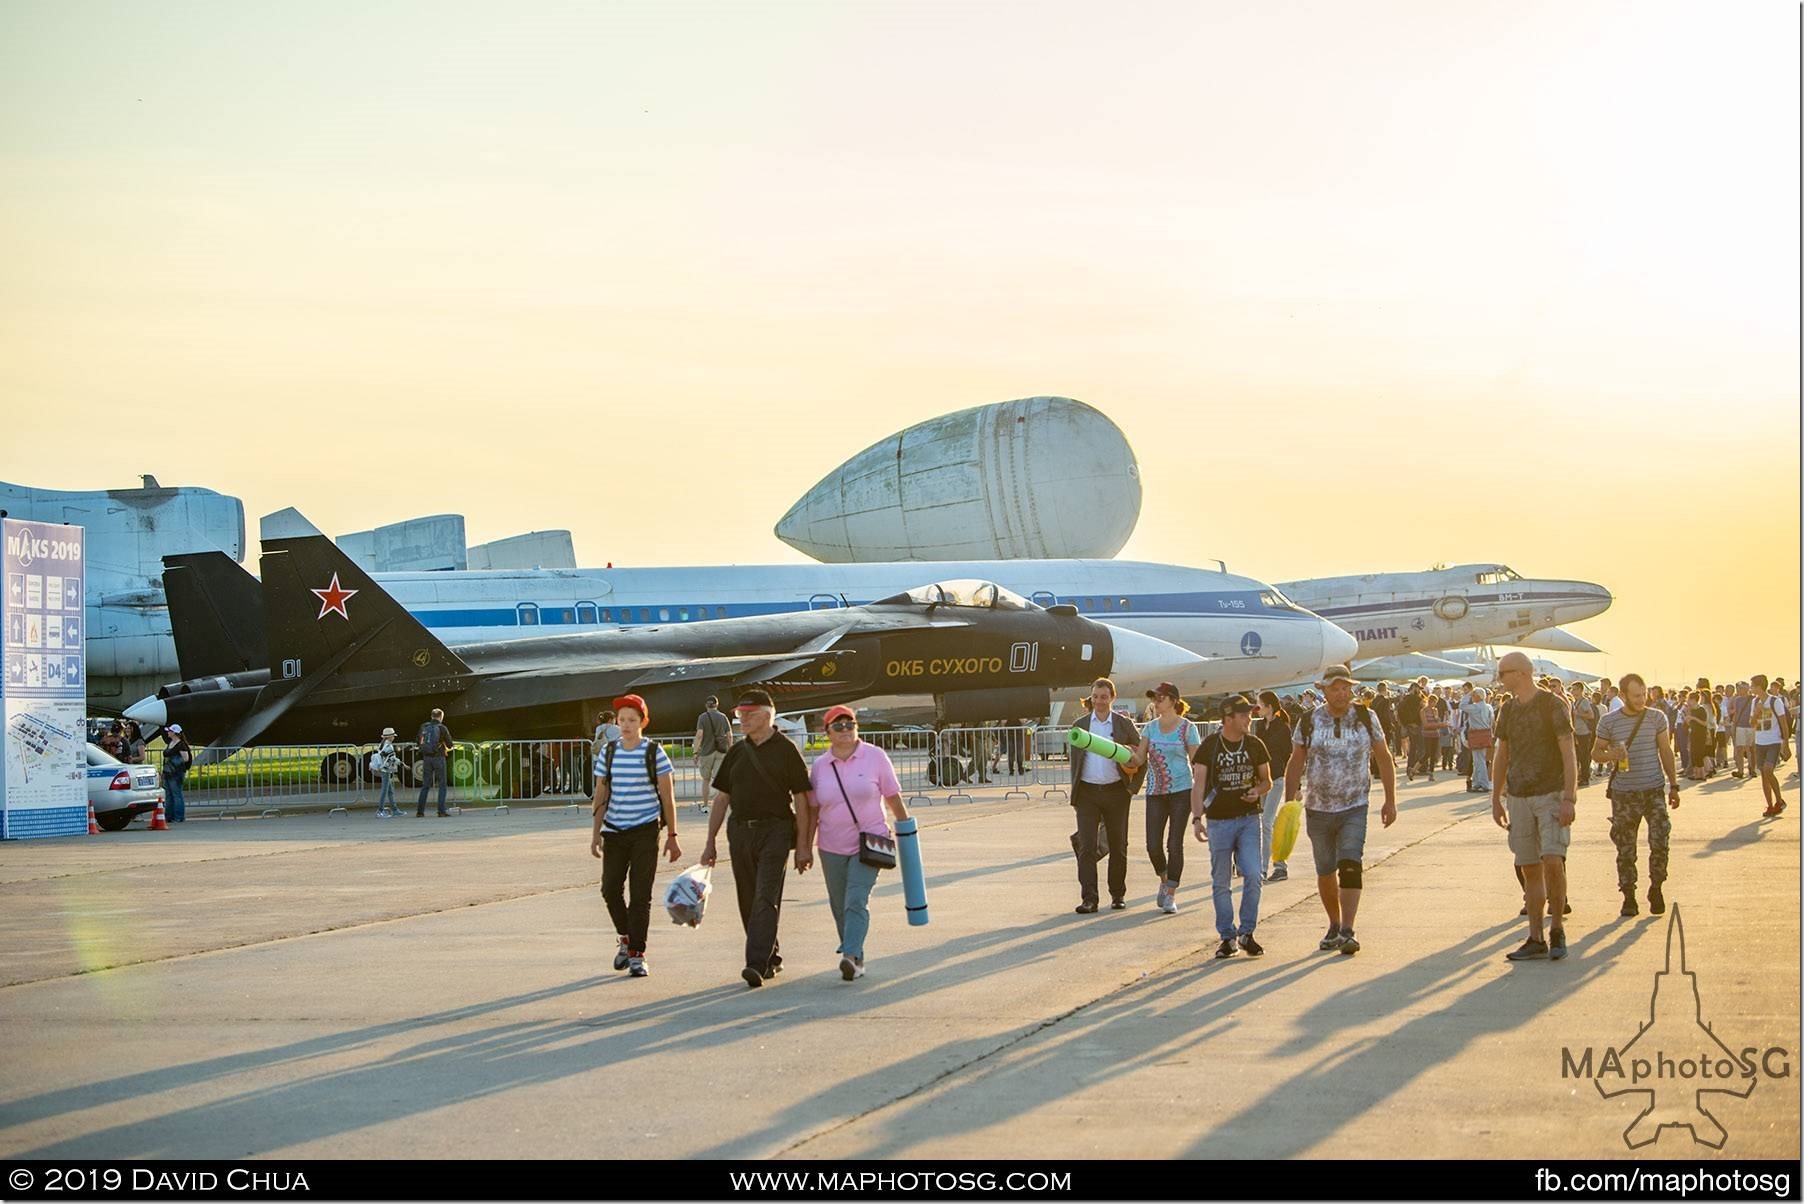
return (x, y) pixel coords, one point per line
(1521, 280)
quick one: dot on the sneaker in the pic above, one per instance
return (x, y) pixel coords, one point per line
(1163, 897)
(622, 955)
(1532, 950)
(1332, 940)
(1228, 949)
(858, 972)
(1171, 904)
(635, 966)
(1251, 947)
(752, 977)
(1656, 902)
(1347, 943)
(1556, 945)
(1280, 873)
(1629, 906)
(848, 969)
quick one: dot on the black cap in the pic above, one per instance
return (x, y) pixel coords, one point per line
(754, 698)
(1239, 704)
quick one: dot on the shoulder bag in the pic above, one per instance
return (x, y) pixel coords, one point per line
(878, 852)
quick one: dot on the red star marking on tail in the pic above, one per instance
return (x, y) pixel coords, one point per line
(333, 598)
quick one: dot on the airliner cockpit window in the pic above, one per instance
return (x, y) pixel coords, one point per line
(984, 595)
(1499, 575)
(1271, 599)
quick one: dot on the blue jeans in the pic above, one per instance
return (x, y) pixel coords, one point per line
(849, 883)
(387, 798)
(175, 807)
(1167, 823)
(1237, 839)
(435, 772)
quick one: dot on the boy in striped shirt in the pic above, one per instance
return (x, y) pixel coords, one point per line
(633, 799)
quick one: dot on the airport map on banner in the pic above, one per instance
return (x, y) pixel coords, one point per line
(43, 694)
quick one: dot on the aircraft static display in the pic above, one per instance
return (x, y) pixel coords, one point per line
(1391, 614)
(344, 659)
(1037, 477)
(128, 532)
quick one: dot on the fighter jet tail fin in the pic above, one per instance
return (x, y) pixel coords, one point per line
(325, 612)
(215, 614)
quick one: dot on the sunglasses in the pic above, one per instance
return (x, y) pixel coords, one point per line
(843, 725)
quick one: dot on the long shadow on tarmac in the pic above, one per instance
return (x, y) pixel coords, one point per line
(1138, 1027)
(1736, 838)
(1353, 1079)
(447, 1066)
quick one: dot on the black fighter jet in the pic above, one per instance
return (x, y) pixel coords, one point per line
(341, 658)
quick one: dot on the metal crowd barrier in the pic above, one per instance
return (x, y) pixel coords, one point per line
(933, 768)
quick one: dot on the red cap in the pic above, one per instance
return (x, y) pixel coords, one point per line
(634, 701)
(839, 712)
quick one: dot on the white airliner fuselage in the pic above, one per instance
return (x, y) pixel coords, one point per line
(1391, 614)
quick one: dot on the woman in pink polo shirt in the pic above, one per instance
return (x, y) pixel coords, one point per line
(852, 783)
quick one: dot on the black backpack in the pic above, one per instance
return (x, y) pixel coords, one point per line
(651, 767)
(1306, 728)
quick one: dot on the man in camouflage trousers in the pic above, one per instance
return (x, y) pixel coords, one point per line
(1647, 790)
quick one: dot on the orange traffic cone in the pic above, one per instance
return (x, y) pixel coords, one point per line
(159, 822)
(93, 828)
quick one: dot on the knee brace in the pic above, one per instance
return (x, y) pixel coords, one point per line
(1350, 876)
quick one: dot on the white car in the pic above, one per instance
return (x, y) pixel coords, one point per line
(120, 792)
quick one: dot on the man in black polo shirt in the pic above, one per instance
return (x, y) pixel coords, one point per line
(764, 781)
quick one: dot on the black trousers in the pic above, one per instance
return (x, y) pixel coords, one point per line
(1167, 820)
(630, 858)
(1581, 749)
(760, 853)
(1108, 806)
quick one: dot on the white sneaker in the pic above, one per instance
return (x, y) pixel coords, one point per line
(1163, 900)
(849, 969)
(1171, 902)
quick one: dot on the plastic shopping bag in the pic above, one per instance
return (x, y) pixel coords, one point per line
(686, 898)
(1284, 830)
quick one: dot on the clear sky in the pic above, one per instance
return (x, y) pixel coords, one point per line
(1368, 287)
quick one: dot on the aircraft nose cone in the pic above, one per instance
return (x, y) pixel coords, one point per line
(149, 712)
(1587, 599)
(1338, 648)
(1143, 661)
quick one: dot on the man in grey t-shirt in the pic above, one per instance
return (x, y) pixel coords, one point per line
(713, 736)
(1639, 736)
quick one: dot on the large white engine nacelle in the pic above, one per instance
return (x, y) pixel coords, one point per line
(1043, 478)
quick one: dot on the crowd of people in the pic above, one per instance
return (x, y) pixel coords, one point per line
(1531, 744)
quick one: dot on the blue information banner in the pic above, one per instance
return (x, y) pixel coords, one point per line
(43, 695)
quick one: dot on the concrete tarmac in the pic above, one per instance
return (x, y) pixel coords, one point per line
(441, 988)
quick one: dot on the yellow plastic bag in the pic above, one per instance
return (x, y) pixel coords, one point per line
(1285, 828)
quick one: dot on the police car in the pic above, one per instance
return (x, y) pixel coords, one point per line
(120, 792)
